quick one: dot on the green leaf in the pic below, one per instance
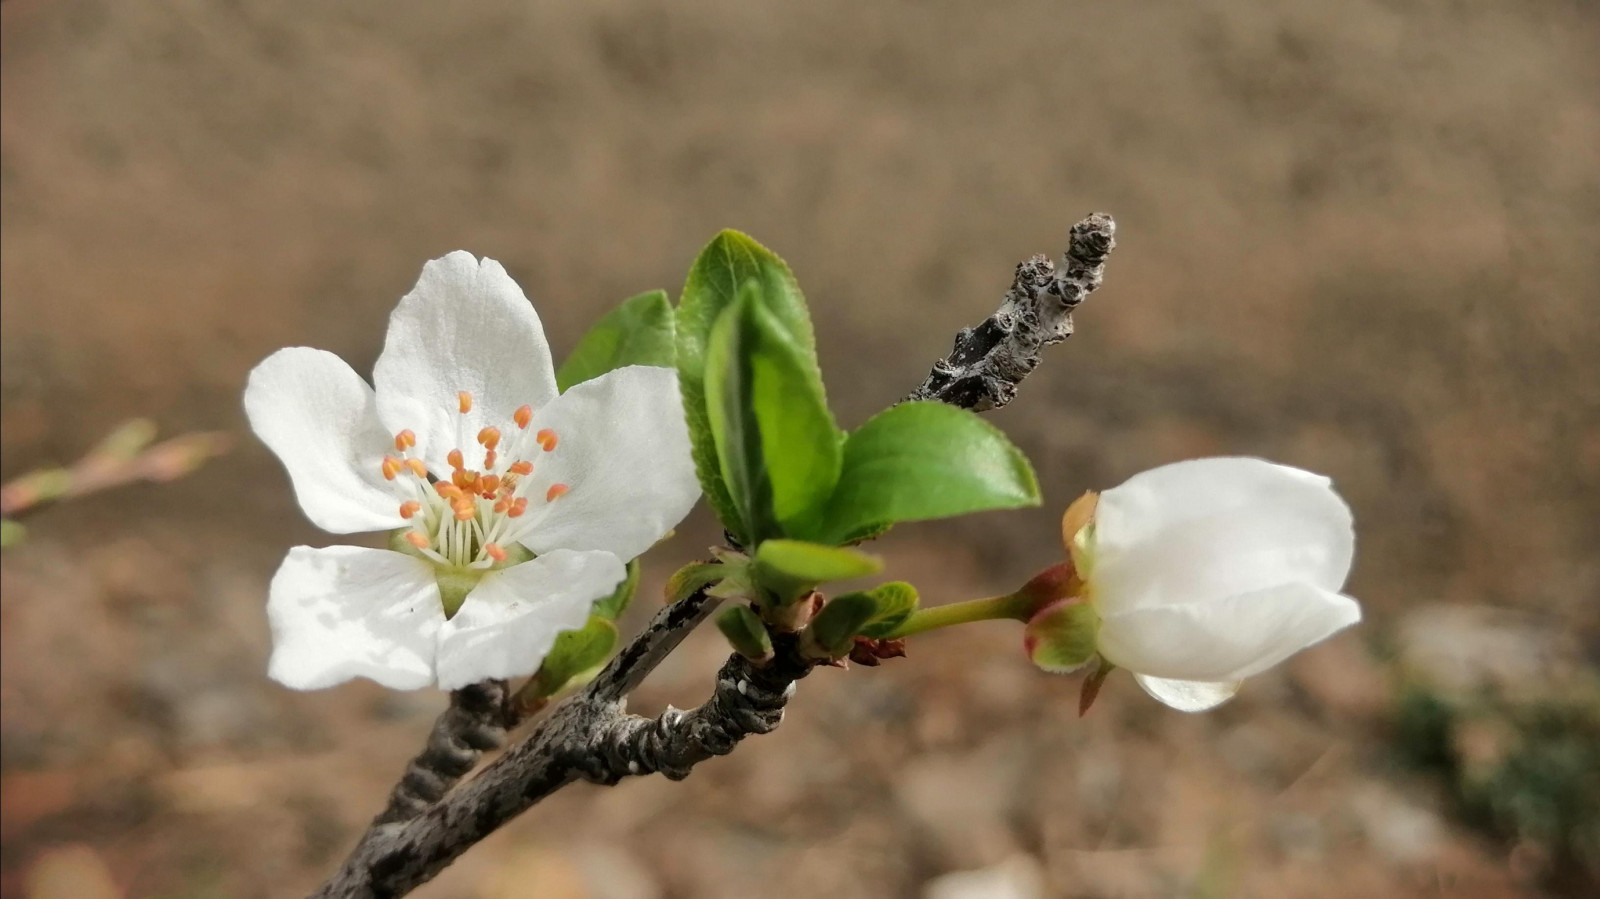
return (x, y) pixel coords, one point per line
(793, 568)
(735, 433)
(925, 460)
(575, 652)
(639, 332)
(894, 601)
(714, 283)
(746, 633)
(835, 627)
(612, 607)
(686, 580)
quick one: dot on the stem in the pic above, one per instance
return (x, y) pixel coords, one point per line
(1016, 606)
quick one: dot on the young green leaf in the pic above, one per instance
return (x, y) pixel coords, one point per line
(612, 607)
(641, 331)
(894, 601)
(714, 282)
(690, 578)
(835, 627)
(793, 567)
(731, 420)
(746, 633)
(923, 460)
(575, 652)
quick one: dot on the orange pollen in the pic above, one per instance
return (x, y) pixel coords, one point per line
(546, 439)
(465, 399)
(502, 504)
(518, 506)
(391, 468)
(522, 416)
(417, 539)
(489, 459)
(488, 485)
(447, 490)
(417, 468)
(456, 460)
(556, 490)
(405, 440)
(521, 468)
(465, 478)
(409, 508)
(495, 551)
(464, 509)
(490, 438)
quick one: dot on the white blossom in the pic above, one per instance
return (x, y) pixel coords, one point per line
(1206, 572)
(514, 506)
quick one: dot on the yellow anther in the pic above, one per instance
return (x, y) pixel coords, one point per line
(546, 439)
(523, 467)
(490, 438)
(555, 491)
(417, 539)
(391, 468)
(495, 551)
(405, 440)
(522, 416)
(456, 460)
(409, 508)
(417, 468)
(465, 400)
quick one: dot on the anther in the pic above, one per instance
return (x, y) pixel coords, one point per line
(555, 491)
(489, 437)
(518, 506)
(523, 467)
(447, 490)
(464, 478)
(495, 551)
(405, 440)
(546, 439)
(502, 504)
(409, 508)
(417, 468)
(522, 416)
(456, 460)
(488, 484)
(464, 509)
(489, 458)
(391, 468)
(417, 539)
(465, 399)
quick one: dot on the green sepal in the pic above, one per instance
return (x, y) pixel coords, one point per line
(690, 578)
(719, 273)
(835, 627)
(924, 460)
(1063, 636)
(893, 604)
(612, 607)
(792, 568)
(745, 631)
(574, 652)
(641, 331)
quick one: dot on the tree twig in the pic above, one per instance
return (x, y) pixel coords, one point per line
(591, 736)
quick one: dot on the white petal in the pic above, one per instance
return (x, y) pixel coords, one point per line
(1189, 695)
(466, 326)
(1203, 530)
(511, 619)
(1229, 639)
(623, 451)
(348, 611)
(317, 415)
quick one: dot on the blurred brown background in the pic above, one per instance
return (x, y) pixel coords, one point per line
(1356, 237)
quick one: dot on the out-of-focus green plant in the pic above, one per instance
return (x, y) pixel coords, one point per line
(124, 456)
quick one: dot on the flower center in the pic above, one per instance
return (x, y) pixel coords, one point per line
(472, 518)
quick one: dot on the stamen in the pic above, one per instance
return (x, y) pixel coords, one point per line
(495, 551)
(522, 416)
(490, 438)
(466, 401)
(417, 468)
(417, 539)
(405, 440)
(555, 491)
(456, 460)
(409, 508)
(518, 506)
(447, 490)
(502, 504)
(488, 485)
(546, 439)
(391, 468)
(489, 459)
(523, 467)
(464, 478)
(464, 508)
